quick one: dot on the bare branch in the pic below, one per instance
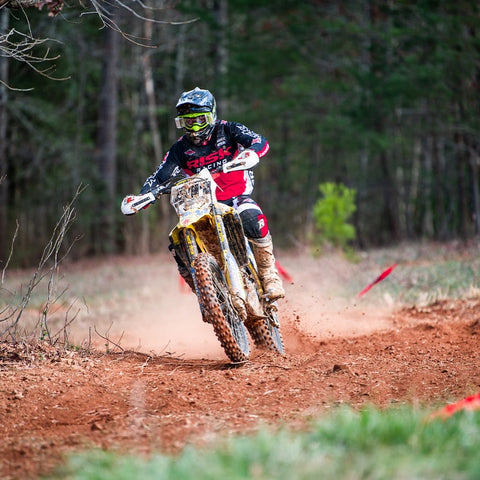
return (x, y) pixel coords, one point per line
(67, 322)
(109, 340)
(23, 46)
(10, 253)
(54, 7)
(50, 254)
(104, 13)
(107, 10)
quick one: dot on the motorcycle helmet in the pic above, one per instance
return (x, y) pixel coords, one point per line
(197, 114)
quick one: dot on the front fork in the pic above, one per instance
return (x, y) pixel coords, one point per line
(192, 249)
(193, 246)
(231, 268)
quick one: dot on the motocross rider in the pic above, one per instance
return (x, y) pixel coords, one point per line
(208, 142)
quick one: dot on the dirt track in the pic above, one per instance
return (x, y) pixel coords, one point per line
(51, 405)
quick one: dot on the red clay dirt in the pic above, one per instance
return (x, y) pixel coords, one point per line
(53, 403)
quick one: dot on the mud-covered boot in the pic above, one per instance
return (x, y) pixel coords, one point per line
(263, 251)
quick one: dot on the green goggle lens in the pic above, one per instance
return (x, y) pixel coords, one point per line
(194, 121)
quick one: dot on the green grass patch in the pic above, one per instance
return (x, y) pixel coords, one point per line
(397, 443)
(426, 284)
(423, 275)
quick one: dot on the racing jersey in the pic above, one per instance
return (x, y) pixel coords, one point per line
(227, 139)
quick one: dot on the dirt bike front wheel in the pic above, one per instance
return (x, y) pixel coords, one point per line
(217, 308)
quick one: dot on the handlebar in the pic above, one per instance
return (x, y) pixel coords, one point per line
(131, 204)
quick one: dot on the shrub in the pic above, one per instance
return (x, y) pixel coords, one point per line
(332, 212)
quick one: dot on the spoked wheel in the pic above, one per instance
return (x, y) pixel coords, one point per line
(266, 332)
(217, 308)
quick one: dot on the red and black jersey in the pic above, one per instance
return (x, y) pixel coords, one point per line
(225, 142)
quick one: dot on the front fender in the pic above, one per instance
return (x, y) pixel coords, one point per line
(188, 220)
(191, 217)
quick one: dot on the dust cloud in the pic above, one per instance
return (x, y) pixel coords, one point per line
(320, 303)
(159, 316)
(156, 313)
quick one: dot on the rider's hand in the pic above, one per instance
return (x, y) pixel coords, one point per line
(245, 160)
(126, 207)
(131, 204)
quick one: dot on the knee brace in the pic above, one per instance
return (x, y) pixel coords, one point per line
(254, 221)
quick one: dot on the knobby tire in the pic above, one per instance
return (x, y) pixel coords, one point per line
(266, 335)
(217, 309)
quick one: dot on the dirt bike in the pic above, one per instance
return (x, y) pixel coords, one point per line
(210, 242)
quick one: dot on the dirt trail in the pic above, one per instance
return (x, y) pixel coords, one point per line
(173, 386)
(155, 313)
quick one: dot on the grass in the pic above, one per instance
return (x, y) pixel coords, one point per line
(424, 274)
(397, 443)
(450, 279)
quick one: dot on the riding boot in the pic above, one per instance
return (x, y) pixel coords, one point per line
(263, 252)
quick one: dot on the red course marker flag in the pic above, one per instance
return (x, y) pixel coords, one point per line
(283, 272)
(182, 285)
(384, 274)
(468, 403)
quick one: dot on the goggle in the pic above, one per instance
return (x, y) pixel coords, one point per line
(194, 121)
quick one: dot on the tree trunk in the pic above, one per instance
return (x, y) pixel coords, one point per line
(4, 17)
(150, 93)
(462, 189)
(163, 206)
(180, 59)
(106, 142)
(390, 199)
(221, 54)
(474, 164)
(439, 218)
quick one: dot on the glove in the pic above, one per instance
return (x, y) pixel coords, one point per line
(126, 205)
(131, 204)
(243, 161)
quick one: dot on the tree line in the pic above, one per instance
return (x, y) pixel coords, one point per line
(382, 97)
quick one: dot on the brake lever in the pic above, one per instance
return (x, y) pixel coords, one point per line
(234, 165)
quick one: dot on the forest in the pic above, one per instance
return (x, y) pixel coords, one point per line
(379, 96)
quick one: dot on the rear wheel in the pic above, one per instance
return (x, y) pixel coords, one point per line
(217, 308)
(274, 329)
(265, 333)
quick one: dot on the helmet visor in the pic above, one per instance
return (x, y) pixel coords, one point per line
(194, 122)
